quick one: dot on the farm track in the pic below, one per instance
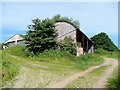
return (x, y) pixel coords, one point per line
(100, 83)
(29, 62)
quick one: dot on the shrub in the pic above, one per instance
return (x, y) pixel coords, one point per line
(18, 51)
(85, 61)
(113, 83)
(68, 45)
(10, 68)
(113, 54)
(100, 51)
(58, 18)
(53, 54)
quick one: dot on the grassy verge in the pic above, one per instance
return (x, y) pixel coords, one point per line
(60, 65)
(10, 67)
(0, 68)
(58, 57)
(108, 54)
(88, 80)
(113, 82)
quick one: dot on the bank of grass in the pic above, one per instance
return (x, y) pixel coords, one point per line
(60, 63)
(108, 54)
(58, 57)
(10, 67)
(18, 51)
(0, 68)
(89, 80)
(113, 83)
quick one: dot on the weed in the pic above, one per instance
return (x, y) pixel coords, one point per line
(88, 80)
(109, 54)
(113, 83)
(10, 67)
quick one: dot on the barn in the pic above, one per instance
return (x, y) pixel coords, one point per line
(65, 29)
(83, 43)
(17, 39)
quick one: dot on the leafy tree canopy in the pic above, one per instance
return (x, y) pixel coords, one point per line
(0, 46)
(41, 35)
(66, 19)
(103, 41)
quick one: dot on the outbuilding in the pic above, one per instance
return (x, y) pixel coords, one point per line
(65, 29)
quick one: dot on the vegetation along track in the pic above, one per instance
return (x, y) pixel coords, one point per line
(102, 81)
(61, 84)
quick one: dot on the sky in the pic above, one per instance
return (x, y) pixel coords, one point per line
(94, 17)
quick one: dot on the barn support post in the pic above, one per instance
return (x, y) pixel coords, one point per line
(87, 47)
(91, 49)
(83, 43)
(15, 42)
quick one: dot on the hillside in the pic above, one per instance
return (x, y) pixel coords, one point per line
(50, 68)
(103, 41)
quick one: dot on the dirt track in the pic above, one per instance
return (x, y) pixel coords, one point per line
(107, 74)
(21, 78)
(100, 84)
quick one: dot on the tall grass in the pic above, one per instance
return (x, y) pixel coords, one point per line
(88, 60)
(109, 54)
(18, 51)
(65, 58)
(0, 68)
(57, 57)
(113, 83)
(10, 67)
(60, 57)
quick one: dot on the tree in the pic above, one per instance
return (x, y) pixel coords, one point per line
(66, 19)
(41, 35)
(0, 46)
(103, 41)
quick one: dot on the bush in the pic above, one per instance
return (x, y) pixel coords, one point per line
(85, 61)
(109, 54)
(18, 51)
(10, 68)
(113, 83)
(100, 51)
(68, 45)
(53, 54)
(58, 18)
